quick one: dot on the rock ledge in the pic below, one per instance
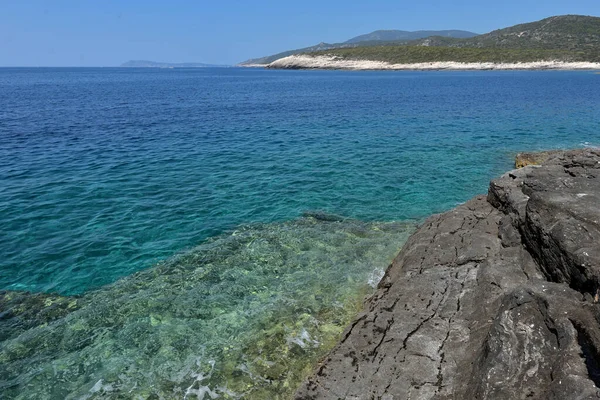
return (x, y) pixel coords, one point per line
(496, 299)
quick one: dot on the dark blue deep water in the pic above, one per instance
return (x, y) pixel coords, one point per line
(105, 172)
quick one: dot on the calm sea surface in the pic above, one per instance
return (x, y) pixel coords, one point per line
(267, 200)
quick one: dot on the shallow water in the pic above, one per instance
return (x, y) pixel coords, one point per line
(205, 175)
(243, 315)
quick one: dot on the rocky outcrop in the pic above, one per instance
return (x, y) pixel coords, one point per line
(496, 299)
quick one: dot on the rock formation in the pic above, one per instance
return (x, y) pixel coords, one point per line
(535, 158)
(496, 299)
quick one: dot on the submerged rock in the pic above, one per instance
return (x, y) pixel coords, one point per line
(20, 311)
(496, 299)
(243, 315)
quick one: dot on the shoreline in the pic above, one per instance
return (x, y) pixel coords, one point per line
(336, 63)
(496, 298)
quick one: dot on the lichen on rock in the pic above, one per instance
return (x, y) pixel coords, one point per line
(534, 158)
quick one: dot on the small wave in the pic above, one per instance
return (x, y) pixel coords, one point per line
(589, 145)
(303, 339)
(376, 277)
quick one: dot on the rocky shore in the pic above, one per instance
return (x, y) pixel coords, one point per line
(496, 299)
(303, 61)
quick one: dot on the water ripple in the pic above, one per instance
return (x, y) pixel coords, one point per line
(105, 172)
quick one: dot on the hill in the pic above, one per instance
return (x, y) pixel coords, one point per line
(269, 59)
(382, 37)
(569, 38)
(567, 32)
(566, 38)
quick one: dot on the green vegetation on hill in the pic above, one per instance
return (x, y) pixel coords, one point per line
(563, 32)
(376, 38)
(564, 38)
(420, 54)
(566, 32)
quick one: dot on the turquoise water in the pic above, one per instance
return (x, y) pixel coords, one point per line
(106, 171)
(254, 209)
(244, 315)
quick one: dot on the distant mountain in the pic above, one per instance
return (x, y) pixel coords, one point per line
(572, 37)
(395, 35)
(370, 39)
(153, 64)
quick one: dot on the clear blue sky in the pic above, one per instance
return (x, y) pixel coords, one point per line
(109, 32)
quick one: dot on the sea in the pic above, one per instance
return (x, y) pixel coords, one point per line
(209, 233)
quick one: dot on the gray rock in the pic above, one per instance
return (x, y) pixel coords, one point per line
(496, 299)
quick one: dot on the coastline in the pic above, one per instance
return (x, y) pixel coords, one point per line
(375, 162)
(303, 61)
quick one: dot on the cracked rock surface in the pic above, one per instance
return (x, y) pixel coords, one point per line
(496, 299)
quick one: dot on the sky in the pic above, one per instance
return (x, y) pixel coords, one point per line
(111, 32)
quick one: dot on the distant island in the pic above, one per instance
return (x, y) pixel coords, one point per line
(154, 64)
(560, 42)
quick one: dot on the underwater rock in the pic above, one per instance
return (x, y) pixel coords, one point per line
(20, 311)
(243, 315)
(496, 299)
